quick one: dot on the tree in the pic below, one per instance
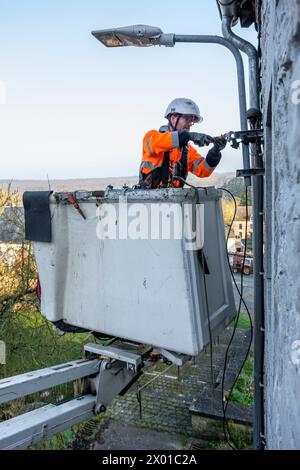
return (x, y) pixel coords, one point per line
(237, 187)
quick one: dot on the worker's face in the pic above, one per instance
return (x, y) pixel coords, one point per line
(184, 122)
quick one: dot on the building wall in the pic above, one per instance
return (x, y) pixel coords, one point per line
(280, 45)
(239, 228)
(234, 245)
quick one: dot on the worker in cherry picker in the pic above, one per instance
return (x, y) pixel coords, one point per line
(167, 155)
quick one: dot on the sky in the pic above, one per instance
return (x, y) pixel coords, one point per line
(72, 108)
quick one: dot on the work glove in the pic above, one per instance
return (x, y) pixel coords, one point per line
(201, 139)
(183, 138)
(219, 143)
(214, 155)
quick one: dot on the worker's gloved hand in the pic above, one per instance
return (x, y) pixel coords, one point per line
(220, 143)
(201, 139)
(214, 155)
(183, 138)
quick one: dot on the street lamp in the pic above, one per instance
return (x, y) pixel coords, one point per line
(144, 36)
(141, 35)
(136, 35)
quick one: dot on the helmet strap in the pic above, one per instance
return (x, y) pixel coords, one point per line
(174, 128)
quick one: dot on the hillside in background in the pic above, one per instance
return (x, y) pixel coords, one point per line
(93, 184)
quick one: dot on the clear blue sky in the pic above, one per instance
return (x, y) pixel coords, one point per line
(77, 109)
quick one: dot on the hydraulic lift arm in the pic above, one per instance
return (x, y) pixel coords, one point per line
(107, 372)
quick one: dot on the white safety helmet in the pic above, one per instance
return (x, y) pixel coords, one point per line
(184, 106)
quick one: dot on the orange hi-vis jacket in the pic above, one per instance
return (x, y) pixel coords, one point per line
(155, 146)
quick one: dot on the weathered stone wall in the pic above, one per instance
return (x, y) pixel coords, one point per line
(280, 44)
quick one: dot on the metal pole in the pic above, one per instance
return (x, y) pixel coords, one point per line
(251, 52)
(191, 38)
(258, 207)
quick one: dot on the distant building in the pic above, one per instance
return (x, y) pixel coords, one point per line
(239, 224)
(236, 239)
(235, 244)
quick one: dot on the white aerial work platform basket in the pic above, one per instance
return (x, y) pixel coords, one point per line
(149, 266)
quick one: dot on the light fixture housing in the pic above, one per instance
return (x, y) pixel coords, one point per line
(135, 35)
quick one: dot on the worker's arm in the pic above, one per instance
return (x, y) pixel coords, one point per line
(156, 142)
(203, 167)
(197, 164)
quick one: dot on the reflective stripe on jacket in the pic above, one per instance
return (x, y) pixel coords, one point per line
(156, 143)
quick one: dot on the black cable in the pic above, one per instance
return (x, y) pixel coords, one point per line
(233, 278)
(208, 322)
(240, 292)
(188, 184)
(225, 424)
(206, 296)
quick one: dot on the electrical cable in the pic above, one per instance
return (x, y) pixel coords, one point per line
(188, 184)
(208, 320)
(240, 292)
(225, 423)
(206, 298)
